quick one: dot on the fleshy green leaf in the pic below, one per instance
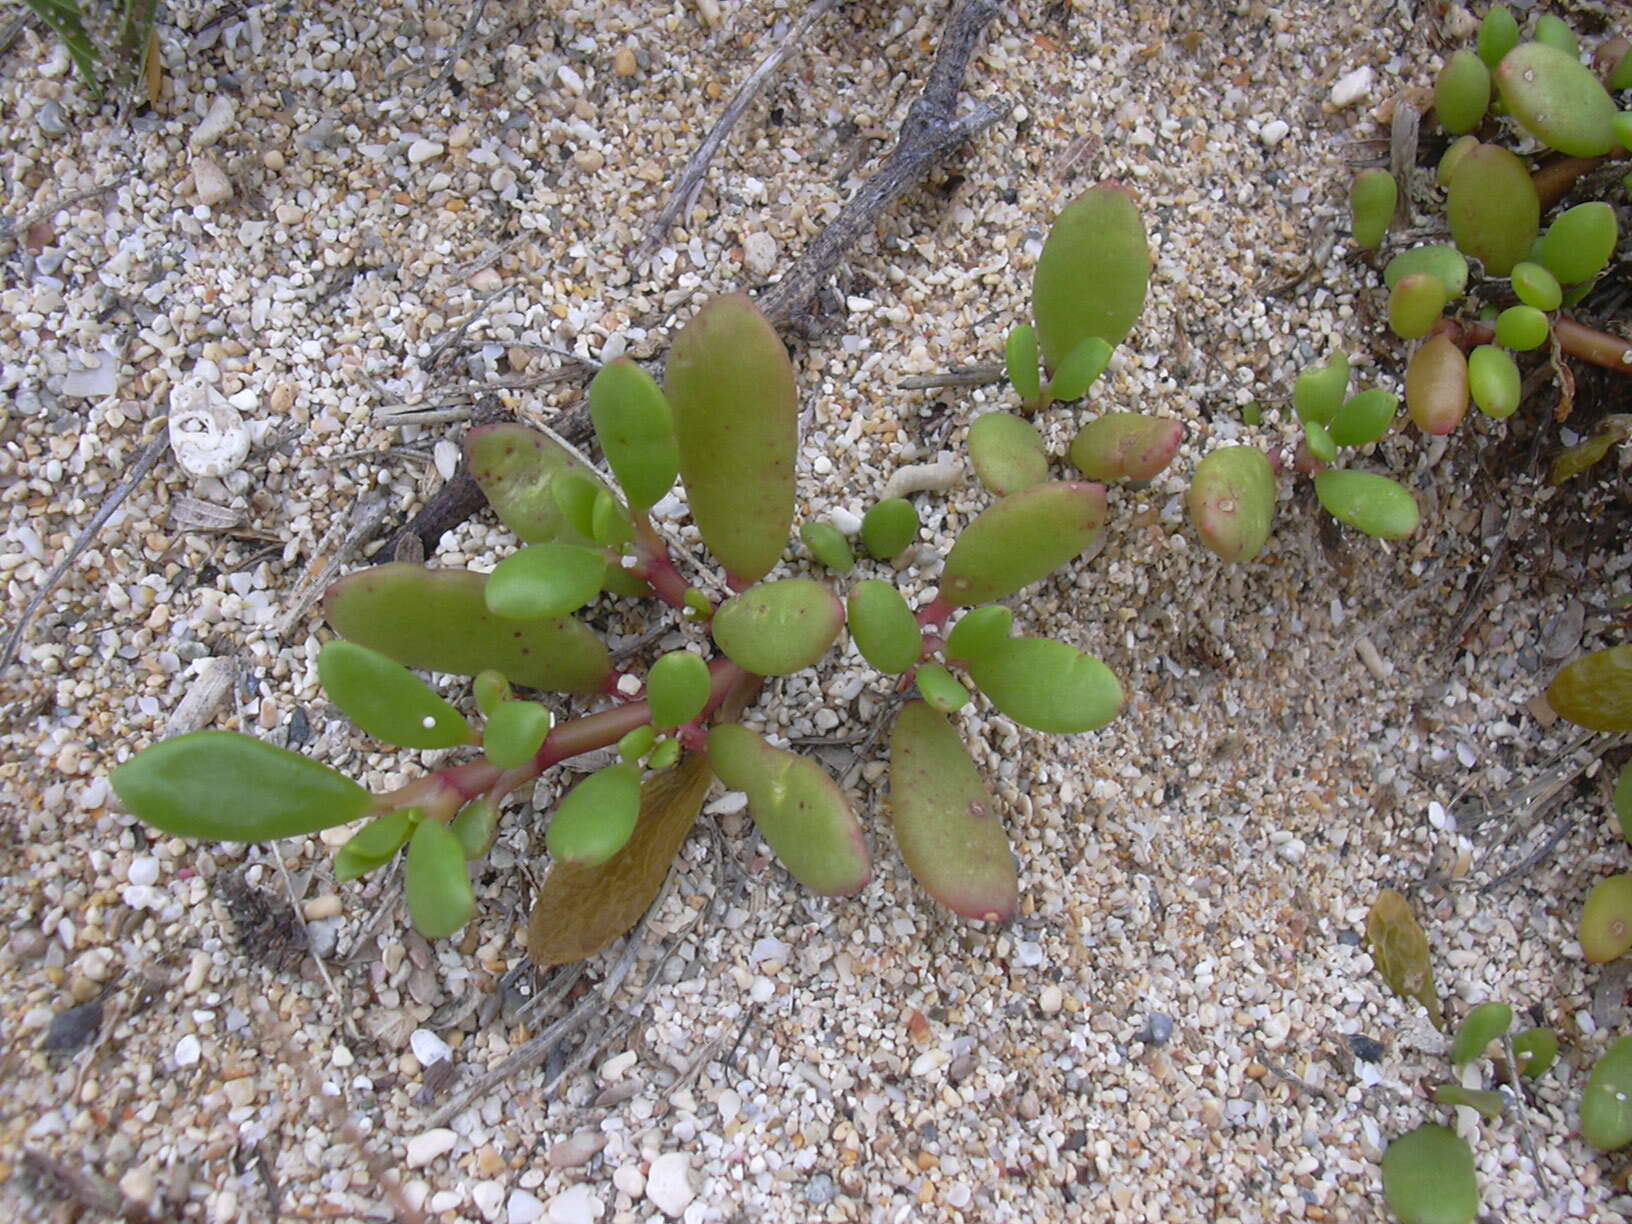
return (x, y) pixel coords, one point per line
(1092, 274)
(1494, 382)
(736, 415)
(1318, 391)
(889, 527)
(677, 688)
(1079, 370)
(1462, 93)
(1399, 949)
(828, 545)
(1557, 99)
(596, 818)
(1595, 691)
(490, 689)
(1446, 263)
(885, 630)
(1535, 1050)
(1605, 930)
(1125, 446)
(1535, 286)
(580, 910)
(476, 826)
(544, 580)
(1493, 208)
(1231, 500)
(637, 743)
(664, 755)
(1317, 439)
(778, 628)
(1436, 386)
(374, 844)
(1580, 242)
(436, 882)
(575, 495)
(1048, 686)
(1365, 418)
(388, 701)
(799, 811)
(1606, 1103)
(1376, 505)
(1414, 305)
(516, 468)
(1007, 453)
(1020, 359)
(635, 427)
(1498, 34)
(1489, 1104)
(222, 786)
(940, 689)
(438, 620)
(1522, 327)
(1483, 1025)
(946, 822)
(1022, 539)
(1372, 197)
(1428, 1177)
(515, 731)
(979, 634)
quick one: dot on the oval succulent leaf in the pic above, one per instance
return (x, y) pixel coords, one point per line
(635, 427)
(1493, 208)
(1605, 930)
(885, 630)
(1452, 158)
(940, 689)
(946, 822)
(1021, 539)
(1483, 1025)
(1494, 381)
(1079, 370)
(1048, 686)
(1535, 286)
(1522, 327)
(1557, 99)
(222, 786)
(979, 633)
(436, 882)
(595, 818)
(1573, 460)
(1595, 691)
(1414, 305)
(736, 415)
(1365, 418)
(1446, 263)
(637, 743)
(1232, 500)
(828, 545)
(515, 731)
(1428, 1177)
(1462, 93)
(1498, 34)
(544, 580)
(1436, 386)
(374, 844)
(1606, 1104)
(1580, 242)
(476, 826)
(1092, 274)
(1372, 197)
(778, 628)
(438, 620)
(1317, 392)
(387, 700)
(515, 468)
(1376, 505)
(1020, 360)
(1488, 1104)
(1535, 1050)
(1125, 446)
(576, 495)
(889, 527)
(677, 688)
(799, 811)
(1318, 440)
(1399, 949)
(1007, 453)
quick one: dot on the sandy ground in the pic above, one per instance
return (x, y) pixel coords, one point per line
(1181, 1025)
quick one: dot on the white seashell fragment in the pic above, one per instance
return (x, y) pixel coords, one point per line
(207, 433)
(922, 477)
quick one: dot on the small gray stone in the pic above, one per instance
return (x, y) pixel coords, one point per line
(759, 253)
(819, 1189)
(50, 119)
(1158, 1030)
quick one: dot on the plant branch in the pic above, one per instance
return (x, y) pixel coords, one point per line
(930, 132)
(1599, 348)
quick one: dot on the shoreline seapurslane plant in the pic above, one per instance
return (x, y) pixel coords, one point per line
(725, 424)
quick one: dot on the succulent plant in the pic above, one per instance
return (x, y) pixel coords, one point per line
(1428, 1177)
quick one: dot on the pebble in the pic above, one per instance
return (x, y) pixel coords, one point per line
(97, 379)
(50, 118)
(215, 123)
(423, 151)
(629, 1180)
(1274, 132)
(578, 1205)
(624, 63)
(759, 253)
(426, 1147)
(1351, 87)
(428, 1047)
(488, 1196)
(1050, 1000)
(668, 1185)
(614, 1068)
(524, 1208)
(1158, 1030)
(188, 1051)
(207, 434)
(844, 520)
(326, 906)
(144, 870)
(576, 1150)
(210, 182)
(569, 78)
(819, 1189)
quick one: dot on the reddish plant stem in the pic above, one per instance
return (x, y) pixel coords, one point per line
(655, 565)
(933, 614)
(1577, 339)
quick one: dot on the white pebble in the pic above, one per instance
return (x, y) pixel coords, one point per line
(1274, 132)
(210, 182)
(844, 520)
(668, 1185)
(629, 1180)
(422, 1149)
(423, 151)
(569, 78)
(524, 1208)
(428, 1047)
(614, 1068)
(144, 870)
(188, 1051)
(1050, 1000)
(1351, 87)
(215, 123)
(759, 253)
(489, 1198)
(921, 477)
(444, 1200)
(207, 433)
(575, 1206)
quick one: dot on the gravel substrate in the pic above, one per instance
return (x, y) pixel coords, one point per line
(1181, 1024)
